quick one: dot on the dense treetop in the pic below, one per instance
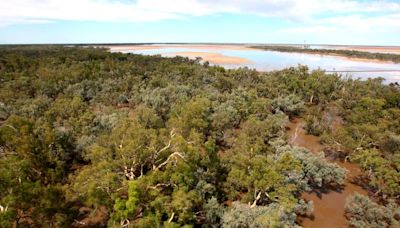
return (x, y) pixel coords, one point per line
(89, 137)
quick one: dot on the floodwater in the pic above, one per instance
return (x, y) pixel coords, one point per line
(328, 206)
(271, 60)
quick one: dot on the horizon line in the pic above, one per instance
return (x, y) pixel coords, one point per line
(196, 43)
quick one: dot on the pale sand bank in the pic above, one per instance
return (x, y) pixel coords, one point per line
(205, 51)
(188, 46)
(214, 58)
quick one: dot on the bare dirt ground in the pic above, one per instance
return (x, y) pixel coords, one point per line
(212, 57)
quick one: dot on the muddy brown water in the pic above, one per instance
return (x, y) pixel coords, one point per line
(329, 205)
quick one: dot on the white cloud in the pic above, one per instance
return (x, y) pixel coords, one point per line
(304, 11)
(352, 24)
(27, 11)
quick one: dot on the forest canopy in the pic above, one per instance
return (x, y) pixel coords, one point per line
(93, 138)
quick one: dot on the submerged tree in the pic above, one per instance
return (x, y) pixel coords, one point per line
(362, 212)
(273, 215)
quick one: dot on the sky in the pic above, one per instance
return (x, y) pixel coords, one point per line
(357, 22)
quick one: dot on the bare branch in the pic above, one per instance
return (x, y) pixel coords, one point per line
(141, 171)
(172, 217)
(10, 126)
(79, 222)
(158, 152)
(3, 209)
(129, 173)
(125, 223)
(255, 201)
(173, 155)
(172, 135)
(159, 185)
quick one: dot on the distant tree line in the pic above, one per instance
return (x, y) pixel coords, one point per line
(346, 53)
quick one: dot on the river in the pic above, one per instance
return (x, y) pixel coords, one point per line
(328, 206)
(234, 56)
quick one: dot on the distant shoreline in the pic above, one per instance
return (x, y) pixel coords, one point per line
(377, 53)
(338, 46)
(353, 54)
(214, 58)
(162, 46)
(388, 49)
(202, 51)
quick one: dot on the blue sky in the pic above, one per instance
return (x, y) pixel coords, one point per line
(373, 22)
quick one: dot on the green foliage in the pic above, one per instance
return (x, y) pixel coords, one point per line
(367, 110)
(362, 212)
(124, 209)
(242, 215)
(317, 171)
(382, 175)
(291, 105)
(194, 115)
(170, 142)
(214, 212)
(317, 122)
(147, 117)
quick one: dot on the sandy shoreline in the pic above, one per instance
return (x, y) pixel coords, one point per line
(191, 46)
(379, 49)
(214, 58)
(205, 51)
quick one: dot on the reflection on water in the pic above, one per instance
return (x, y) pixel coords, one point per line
(271, 60)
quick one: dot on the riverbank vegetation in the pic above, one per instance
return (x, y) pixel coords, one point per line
(345, 53)
(362, 212)
(368, 116)
(92, 138)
